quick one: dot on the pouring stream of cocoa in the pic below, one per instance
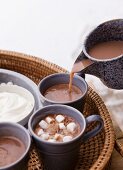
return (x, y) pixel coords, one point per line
(77, 67)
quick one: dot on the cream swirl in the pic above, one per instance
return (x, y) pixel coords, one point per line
(15, 103)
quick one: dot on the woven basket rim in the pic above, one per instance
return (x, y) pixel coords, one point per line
(107, 149)
(31, 58)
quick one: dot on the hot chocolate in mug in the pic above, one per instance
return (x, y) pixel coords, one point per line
(54, 89)
(63, 155)
(102, 54)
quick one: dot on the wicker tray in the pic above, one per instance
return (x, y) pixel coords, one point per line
(119, 140)
(94, 154)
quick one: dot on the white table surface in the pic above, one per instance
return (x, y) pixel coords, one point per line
(52, 29)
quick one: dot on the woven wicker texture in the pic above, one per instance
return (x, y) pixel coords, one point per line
(94, 154)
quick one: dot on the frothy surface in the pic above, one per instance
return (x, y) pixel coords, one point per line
(61, 93)
(107, 50)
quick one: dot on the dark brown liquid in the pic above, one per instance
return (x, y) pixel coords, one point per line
(60, 93)
(11, 149)
(107, 50)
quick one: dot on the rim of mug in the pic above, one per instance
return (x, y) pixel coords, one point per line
(27, 148)
(84, 44)
(65, 74)
(56, 143)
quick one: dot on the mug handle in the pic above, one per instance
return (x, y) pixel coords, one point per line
(94, 131)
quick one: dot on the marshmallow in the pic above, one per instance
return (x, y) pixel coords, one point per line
(40, 132)
(49, 120)
(59, 118)
(61, 126)
(71, 127)
(45, 136)
(51, 140)
(67, 138)
(43, 124)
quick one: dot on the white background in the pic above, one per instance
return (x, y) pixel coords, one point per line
(52, 29)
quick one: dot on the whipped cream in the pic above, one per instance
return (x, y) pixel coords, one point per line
(15, 103)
